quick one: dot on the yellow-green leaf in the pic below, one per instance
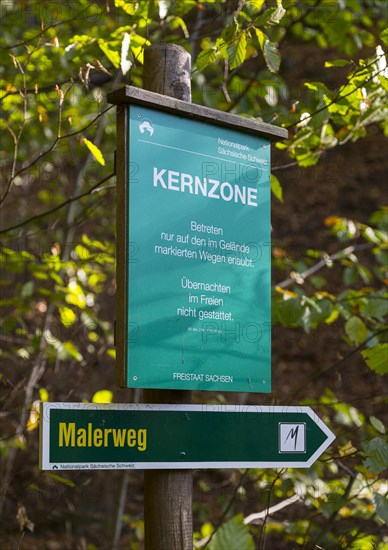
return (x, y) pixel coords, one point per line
(237, 51)
(43, 394)
(68, 317)
(95, 151)
(72, 350)
(257, 4)
(112, 55)
(205, 58)
(102, 396)
(129, 7)
(261, 37)
(276, 188)
(61, 479)
(377, 358)
(356, 330)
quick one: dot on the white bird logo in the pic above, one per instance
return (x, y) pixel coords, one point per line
(146, 125)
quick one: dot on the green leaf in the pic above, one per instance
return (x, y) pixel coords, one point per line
(271, 56)
(277, 14)
(376, 452)
(112, 55)
(82, 252)
(377, 358)
(27, 289)
(95, 151)
(381, 506)
(276, 188)
(256, 4)
(356, 330)
(129, 7)
(232, 534)
(317, 86)
(377, 424)
(75, 295)
(350, 275)
(364, 273)
(205, 58)
(61, 479)
(375, 306)
(237, 51)
(207, 529)
(384, 36)
(337, 63)
(176, 22)
(288, 311)
(261, 37)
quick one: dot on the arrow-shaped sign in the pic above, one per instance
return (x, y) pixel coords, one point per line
(92, 436)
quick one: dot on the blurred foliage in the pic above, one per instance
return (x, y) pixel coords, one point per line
(59, 60)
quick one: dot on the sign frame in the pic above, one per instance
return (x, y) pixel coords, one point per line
(187, 418)
(123, 97)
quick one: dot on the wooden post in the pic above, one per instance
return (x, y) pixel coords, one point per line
(168, 493)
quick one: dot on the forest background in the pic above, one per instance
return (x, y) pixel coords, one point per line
(315, 67)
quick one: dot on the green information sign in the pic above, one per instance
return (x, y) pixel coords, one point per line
(194, 224)
(82, 436)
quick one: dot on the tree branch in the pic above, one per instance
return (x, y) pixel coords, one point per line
(338, 96)
(59, 206)
(225, 513)
(323, 263)
(49, 149)
(53, 26)
(293, 397)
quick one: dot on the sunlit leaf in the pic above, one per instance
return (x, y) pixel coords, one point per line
(43, 394)
(261, 37)
(95, 151)
(111, 352)
(102, 396)
(337, 63)
(129, 7)
(72, 350)
(384, 36)
(237, 50)
(68, 317)
(276, 188)
(205, 58)
(277, 14)
(176, 23)
(112, 55)
(257, 4)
